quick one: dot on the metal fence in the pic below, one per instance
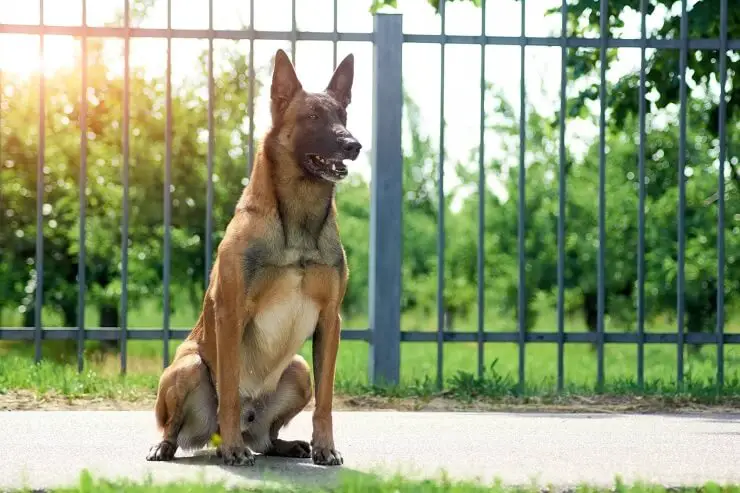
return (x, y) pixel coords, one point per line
(384, 334)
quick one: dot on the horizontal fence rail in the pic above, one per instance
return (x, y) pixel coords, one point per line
(384, 333)
(450, 39)
(144, 334)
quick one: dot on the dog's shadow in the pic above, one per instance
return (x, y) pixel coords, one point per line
(275, 469)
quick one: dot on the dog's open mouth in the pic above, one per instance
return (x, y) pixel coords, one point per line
(331, 169)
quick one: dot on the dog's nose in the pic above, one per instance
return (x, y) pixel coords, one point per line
(351, 146)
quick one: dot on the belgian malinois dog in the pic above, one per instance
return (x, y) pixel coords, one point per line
(279, 276)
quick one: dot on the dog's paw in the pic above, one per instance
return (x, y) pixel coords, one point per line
(162, 451)
(296, 449)
(326, 456)
(236, 456)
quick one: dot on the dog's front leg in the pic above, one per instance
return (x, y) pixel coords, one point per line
(325, 348)
(229, 330)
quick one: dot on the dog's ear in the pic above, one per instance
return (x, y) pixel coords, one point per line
(340, 85)
(285, 83)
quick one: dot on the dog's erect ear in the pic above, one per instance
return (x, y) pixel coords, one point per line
(285, 82)
(340, 85)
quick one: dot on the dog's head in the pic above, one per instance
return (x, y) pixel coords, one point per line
(313, 126)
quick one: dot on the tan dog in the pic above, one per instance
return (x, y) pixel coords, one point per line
(279, 277)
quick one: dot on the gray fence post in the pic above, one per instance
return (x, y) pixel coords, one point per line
(385, 202)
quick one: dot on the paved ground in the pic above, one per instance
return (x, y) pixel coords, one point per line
(44, 448)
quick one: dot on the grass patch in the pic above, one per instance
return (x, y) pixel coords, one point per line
(99, 380)
(350, 482)
(20, 373)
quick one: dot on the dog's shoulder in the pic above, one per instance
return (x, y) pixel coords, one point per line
(330, 243)
(248, 225)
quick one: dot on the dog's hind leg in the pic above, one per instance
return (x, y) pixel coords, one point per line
(277, 409)
(186, 405)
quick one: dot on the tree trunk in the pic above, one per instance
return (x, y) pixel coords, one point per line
(69, 312)
(449, 321)
(29, 319)
(701, 315)
(109, 318)
(591, 312)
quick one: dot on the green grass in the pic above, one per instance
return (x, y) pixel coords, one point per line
(101, 379)
(355, 482)
(20, 373)
(58, 371)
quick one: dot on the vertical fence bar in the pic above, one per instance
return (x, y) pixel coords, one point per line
(522, 295)
(561, 196)
(167, 192)
(441, 213)
(601, 288)
(83, 197)
(385, 201)
(250, 96)
(481, 190)
(681, 279)
(2, 46)
(125, 172)
(335, 32)
(293, 31)
(211, 137)
(641, 209)
(1, 133)
(720, 329)
(39, 262)
(1, 126)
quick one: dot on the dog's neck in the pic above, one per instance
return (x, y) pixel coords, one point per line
(277, 183)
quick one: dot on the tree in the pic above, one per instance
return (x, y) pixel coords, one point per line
(662, 84)
(104, 191)
(581, 240)
(104, 197)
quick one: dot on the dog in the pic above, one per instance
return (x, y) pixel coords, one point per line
(279, 277)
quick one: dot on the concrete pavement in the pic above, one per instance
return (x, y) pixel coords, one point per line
(41, 449)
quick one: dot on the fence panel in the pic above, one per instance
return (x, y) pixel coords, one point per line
(384, 333)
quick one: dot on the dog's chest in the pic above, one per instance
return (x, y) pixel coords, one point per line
(286, 316)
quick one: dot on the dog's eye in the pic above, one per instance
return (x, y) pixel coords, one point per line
(313, 116)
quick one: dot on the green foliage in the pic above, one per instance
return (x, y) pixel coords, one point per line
(662, 67)
(104, 193)
(662, 87)
(104, 198)
(581, 231)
